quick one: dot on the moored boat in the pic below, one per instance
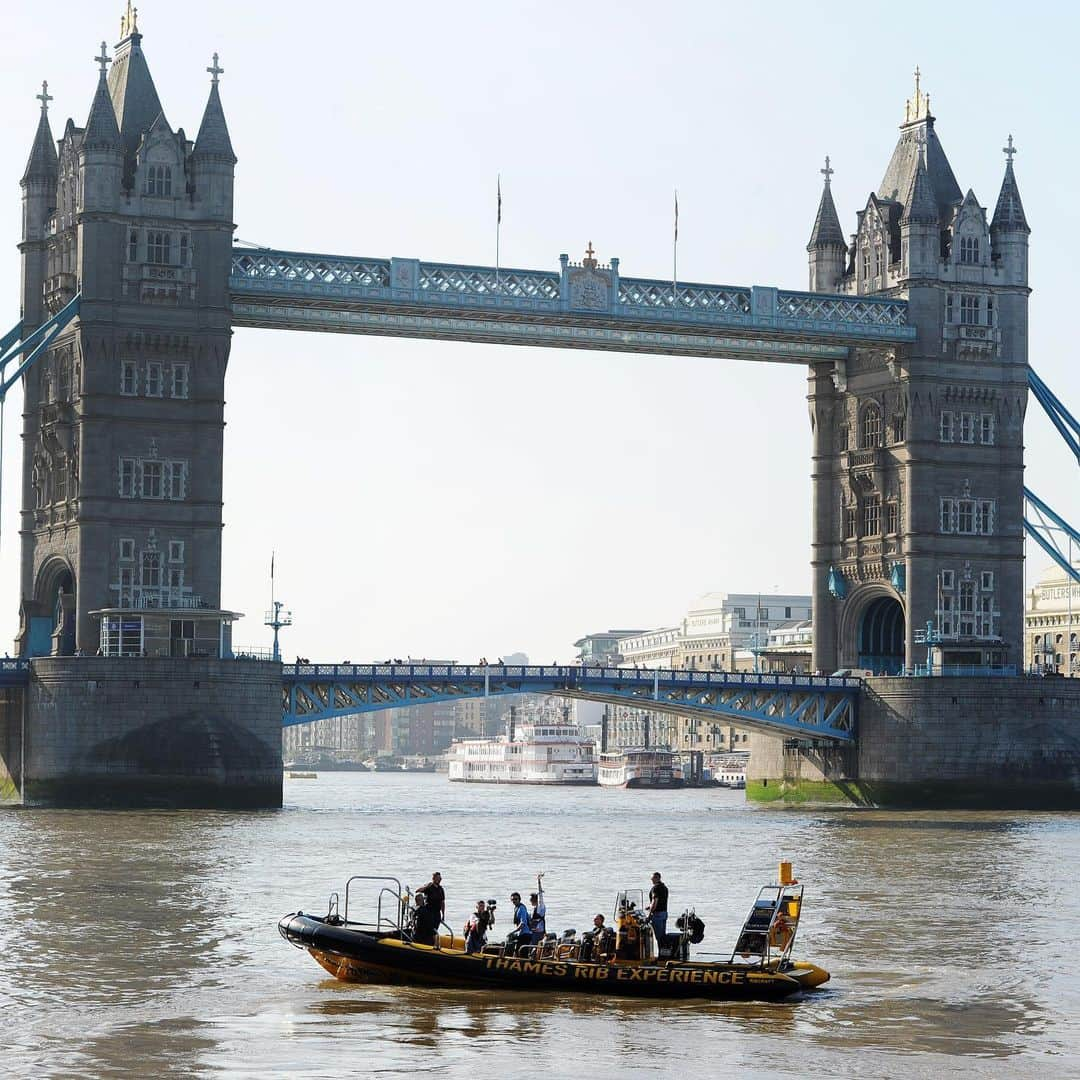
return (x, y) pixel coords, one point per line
(648, 768)
(628, 962)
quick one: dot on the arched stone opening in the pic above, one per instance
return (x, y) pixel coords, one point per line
(52, 625)
(881, 636)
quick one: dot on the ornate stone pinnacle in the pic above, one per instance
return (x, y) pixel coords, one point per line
(45, 97)
(827, 171)
(103, 59)
(1009, 150)
(215, 71)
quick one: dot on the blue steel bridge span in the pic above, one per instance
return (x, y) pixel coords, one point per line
(577, 306)
(795, 706)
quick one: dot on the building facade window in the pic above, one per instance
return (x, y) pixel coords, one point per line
(127, 478)
(967, 428)
(180, 378)
(185, 250)
(986, 581)
(153, 379)
(899, 428)
(159, 248)
(969, 310)
(969, 249)
(947, 580)
(946, 427)
(872, 515)
(133, 246)
(151, 479)
(127, 549)
(176, 551)
(129, 378)
(892, 518)
(175, 480)
(968, 517)
(871, 427)
(158, 181)
(986, 429)
(850, 522)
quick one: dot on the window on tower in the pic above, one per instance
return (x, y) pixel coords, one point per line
(158, 180)
(871, 427)
(133, 246)
(969, 310)
(872, 515)
(129, 377)
(159, 248)
(969, 249)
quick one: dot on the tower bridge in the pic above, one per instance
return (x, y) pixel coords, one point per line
(914, 336)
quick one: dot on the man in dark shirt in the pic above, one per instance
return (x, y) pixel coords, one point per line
(436, 898)
(658, 908)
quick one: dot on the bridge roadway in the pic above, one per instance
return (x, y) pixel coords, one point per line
(797, 706)
(813, 707)
(578, 306)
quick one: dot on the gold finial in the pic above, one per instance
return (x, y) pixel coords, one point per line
(918, 106)
(589, 260)
(129, 21)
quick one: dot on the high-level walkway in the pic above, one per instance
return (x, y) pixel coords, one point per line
(578, 306)
(798, 706)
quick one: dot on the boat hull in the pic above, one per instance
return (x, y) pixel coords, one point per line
(361, 956)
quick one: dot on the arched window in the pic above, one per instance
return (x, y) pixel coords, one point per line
(969, 249)
(871, 427)
(158, 180)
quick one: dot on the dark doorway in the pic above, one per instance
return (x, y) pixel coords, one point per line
(881, 637)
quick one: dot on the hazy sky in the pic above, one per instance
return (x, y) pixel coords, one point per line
(441, 499)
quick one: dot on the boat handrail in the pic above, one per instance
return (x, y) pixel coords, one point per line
(394, 892)
(438, 944)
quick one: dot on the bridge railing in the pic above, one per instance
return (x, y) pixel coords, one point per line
(567, 673)
(336, 278)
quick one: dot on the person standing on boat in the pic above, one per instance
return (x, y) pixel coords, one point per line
(477, 927)
(436, 897)
(538, 915)
(521, 934)
(658, 896)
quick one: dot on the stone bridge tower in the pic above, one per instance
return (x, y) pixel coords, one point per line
(918, 454)
(123, 420)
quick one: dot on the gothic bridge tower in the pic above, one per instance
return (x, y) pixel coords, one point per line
(918, 454)
(123, 420)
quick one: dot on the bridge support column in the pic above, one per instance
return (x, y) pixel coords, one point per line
(135, 732)
(961, 743)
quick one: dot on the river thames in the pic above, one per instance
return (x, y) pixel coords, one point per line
(141, 944)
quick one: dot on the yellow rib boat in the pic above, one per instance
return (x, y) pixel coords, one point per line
(629, 962)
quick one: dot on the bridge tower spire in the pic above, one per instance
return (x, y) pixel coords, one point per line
(123, 422)
(918, 451)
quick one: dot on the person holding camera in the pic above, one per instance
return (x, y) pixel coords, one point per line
(477, 927)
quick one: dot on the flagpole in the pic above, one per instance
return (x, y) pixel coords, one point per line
(675, 256)
(498, 225)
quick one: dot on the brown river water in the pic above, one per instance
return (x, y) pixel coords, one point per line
(145, 944)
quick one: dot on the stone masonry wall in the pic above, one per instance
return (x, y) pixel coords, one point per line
(153, 732)
(975, 743)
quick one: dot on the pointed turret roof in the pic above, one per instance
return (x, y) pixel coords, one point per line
(1009, 213)
(42, 164)
(918, 141)
(102, 131)
(827, 223)
(132, 89)
(213, 139)
(920, 205)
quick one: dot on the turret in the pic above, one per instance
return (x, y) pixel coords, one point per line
(213, 161)
(826, 248)
(101, 155)
(1009, 229)
(920, 228)
(38, 202)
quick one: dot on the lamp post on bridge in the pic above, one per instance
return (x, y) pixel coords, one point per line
(276, 619)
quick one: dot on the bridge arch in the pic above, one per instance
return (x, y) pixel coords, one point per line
(873, 630)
